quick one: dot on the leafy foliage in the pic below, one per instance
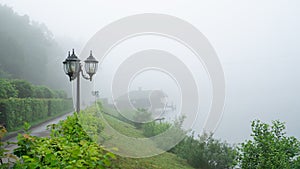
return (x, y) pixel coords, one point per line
(7, 89)
(24, 88)
(270, 148)
(172, 133)
(14, 111)
(206, 152)
(42, 92)
(60, 94)
(68, 147)
(92, 122)
(4, 154)
(153, 128)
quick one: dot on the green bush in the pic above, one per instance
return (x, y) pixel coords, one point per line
(15, 111)
(6, 158)
(92, 122)
(42, 92)
(206, 152)
(24, 88)
(153, 128)
(7, 89)
(270, 148)
(60, 94)
(18, 103)
(171, 135)
(68, 147)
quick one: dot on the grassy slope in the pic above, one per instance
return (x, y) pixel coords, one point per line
(162, 161)
(123, 127)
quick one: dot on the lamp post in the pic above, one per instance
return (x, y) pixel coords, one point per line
(73, 68)
(96, 93)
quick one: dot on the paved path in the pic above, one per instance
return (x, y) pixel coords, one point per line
(39, 130)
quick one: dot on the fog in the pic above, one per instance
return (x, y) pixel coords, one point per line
(257, 44)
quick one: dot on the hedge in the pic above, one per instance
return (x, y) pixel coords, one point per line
(15, 111)
(23, 89)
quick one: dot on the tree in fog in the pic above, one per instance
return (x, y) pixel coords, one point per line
(28, 50)
(270, 148)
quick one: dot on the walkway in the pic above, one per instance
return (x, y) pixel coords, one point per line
(39, 130)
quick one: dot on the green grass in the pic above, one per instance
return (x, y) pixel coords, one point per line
(123, 127)
(162, 161)
(165, 160)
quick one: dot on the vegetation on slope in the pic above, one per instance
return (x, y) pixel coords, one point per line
(72, 145)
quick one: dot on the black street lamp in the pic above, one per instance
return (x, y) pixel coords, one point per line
(73, 68)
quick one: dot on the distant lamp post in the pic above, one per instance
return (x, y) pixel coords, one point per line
(96, 93)
(73, 68)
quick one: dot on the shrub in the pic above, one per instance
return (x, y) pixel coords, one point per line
(7, 90)
(92, 122)
(169, 134)
(24, 88)
(153, 128)
(206, 152)
(42, 92)
(270, 148)
(68, 147)
(14, 111)
(4, 153)
(60, 94)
